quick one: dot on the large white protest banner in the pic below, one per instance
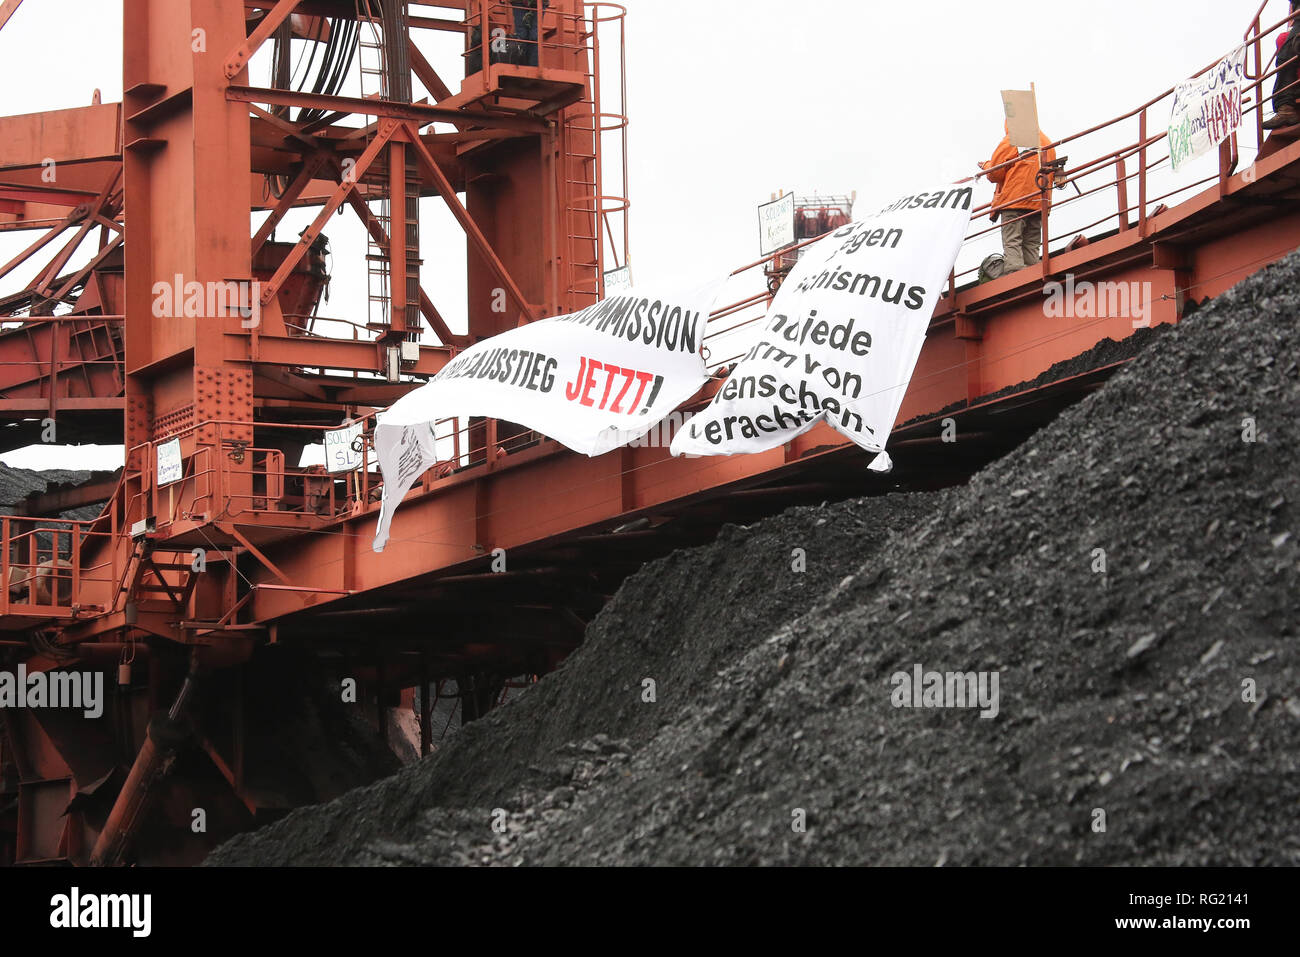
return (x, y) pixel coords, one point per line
(1207, 109)
(842, 335)
(592, 380)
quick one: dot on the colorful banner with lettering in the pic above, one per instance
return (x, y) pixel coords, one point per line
(1207, 109)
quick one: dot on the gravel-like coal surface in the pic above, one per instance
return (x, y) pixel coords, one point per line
(1129, 573)
(16, 484)
(679, 621)
(1104, 353)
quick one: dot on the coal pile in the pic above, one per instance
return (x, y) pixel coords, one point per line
(721, 599)
(1107, 352)
(1129, 574)
(16, 484)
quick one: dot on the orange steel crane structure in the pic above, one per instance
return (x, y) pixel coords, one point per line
(192, 336)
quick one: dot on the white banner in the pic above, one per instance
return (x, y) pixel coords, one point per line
(776, 224)
(1207, 109)
(593, 381)
(404, 452)
(842, 335)
(340, 456)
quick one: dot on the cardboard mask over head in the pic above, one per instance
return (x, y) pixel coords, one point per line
(1021, 108)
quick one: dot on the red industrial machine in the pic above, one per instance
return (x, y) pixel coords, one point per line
(196, 340)
(814, 216)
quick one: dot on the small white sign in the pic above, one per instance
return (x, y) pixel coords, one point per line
(339, 453)
(170, 467)
(776, 224)
(618, 280)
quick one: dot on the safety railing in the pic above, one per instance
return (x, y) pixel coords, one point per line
(225, 477)
(46, 562)
(521, 33)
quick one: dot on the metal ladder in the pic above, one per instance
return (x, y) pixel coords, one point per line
(582, 202)
(374, 83)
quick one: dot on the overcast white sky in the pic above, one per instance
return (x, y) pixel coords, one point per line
(730, 102)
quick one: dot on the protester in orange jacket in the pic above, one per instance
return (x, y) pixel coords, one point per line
(1017, 200)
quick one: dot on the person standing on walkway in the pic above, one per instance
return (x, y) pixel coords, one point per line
(1017, 202)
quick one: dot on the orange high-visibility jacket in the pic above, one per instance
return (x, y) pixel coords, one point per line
(1016, 185)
